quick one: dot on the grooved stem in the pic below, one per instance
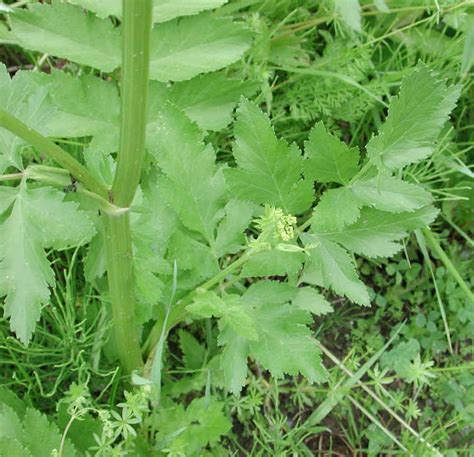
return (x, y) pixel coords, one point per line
(137, 17)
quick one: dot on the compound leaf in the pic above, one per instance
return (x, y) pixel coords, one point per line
(391, 194)
(269, 171)
(414, 120)
(230, 233)
(329, 159)
(273, 263)
(336, 209)
(233, 360)
(332, 267)
(230, 311)
(308, 299)
(377, 233)
(210, 99)
(64, 30)
(195, 187)
(285, 344)
(182, 49)
(38, 219)
(163, 10)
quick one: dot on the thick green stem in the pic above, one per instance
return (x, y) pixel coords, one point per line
(136, 57)
(137, 16)
(118, 243)
(53, 151)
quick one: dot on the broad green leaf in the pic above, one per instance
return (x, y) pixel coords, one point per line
(39, 219)
(332, 267)
(391, 194)
(264, 292)
(195, 187)
(189, 431)
(233, 359)
(229, 309)
(193, 45)
(414, 120)
(191, 254)
(285, 344)
(56, 105)
(28, 101)
(308, 299)
(336, 209)
(80, 106)
(194, 352)
(329, 159)
(43, 436)
(468, 51)
(102, 8)
(153, 224)
(8, 398)
(30, 435)
(230, 232)
(350, 13)
(64, 30)
(10, 423)
(273, 263)
(269, 171)
(7, 197)
(377, 233)
(163, 10)
(210, 99)
(13, 448)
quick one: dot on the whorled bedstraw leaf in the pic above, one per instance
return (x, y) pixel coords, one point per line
(308, 299)
(184, 48)
(377, 233)
(38, 219)
(268, 170)
(195, 187)
(230, 311)
(415, 118)
(64, 30)
(329, 159)
(331, 266)
(390, 194)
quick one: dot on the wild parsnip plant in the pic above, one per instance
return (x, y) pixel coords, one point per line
(180, 234)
